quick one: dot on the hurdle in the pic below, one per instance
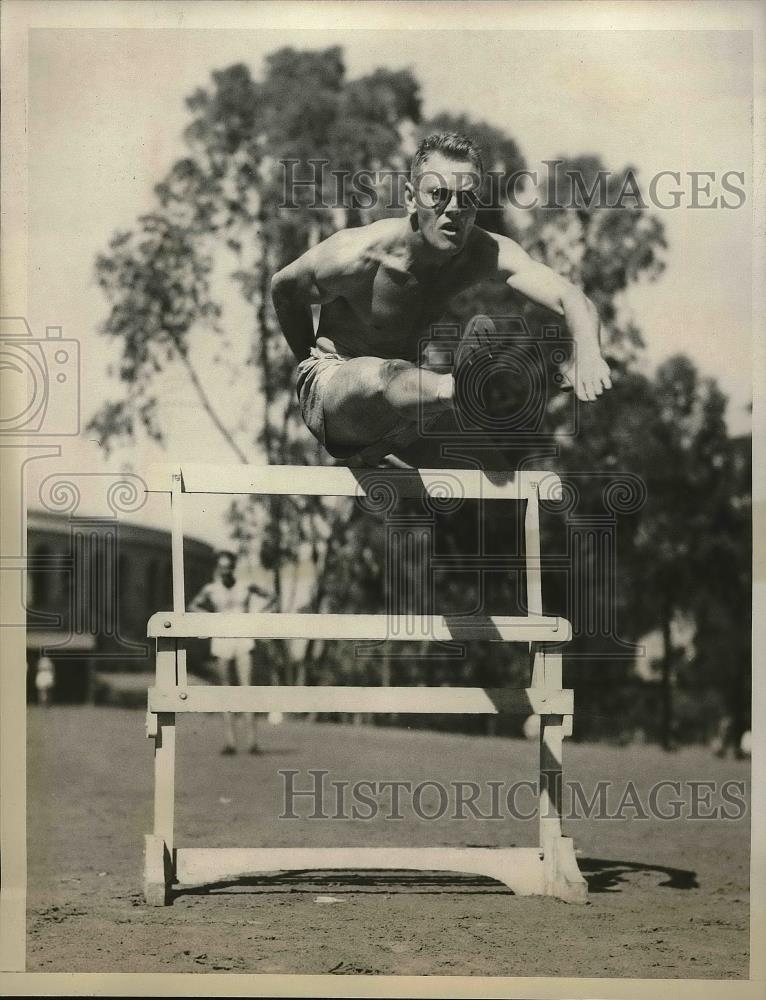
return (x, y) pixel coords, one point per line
(549, 869)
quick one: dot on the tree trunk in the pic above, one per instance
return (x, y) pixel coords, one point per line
(667, 721)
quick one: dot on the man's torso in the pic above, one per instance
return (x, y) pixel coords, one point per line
(387, 307)
(228, 599)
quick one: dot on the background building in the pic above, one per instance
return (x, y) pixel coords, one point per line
(92, 585)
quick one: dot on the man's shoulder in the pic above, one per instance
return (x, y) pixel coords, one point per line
(490, 242)
(493, 251)
(357, 249)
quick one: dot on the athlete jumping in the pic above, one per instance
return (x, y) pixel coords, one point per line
(364, 389)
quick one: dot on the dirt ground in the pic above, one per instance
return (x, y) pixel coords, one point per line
(668, 899)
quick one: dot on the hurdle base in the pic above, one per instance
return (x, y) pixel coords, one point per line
(563, 878)
(158, 871)
(525, 871)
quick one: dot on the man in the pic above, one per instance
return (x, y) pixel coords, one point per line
(362, 389)
(232, 663)
(45, 680)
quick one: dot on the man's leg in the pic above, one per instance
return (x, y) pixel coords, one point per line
(243, 664)
(428, 418)
(495, 397)
(220, 673)
(368, 399)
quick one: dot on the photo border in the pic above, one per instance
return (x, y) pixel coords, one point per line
(18, 17)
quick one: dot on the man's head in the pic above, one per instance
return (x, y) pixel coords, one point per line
(225, 564)
(442, 192)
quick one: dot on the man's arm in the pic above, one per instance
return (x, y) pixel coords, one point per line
(312, 279)
(587, 372)
(272, 598)
(202, 601)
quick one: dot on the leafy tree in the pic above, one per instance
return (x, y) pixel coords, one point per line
(695, 546)
(224, 205)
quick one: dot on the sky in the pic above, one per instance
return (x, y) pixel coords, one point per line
(106, 111)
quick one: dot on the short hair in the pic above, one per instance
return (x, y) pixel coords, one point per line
(226, 552)
(450, 144)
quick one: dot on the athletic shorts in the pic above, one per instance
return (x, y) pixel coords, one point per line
(230, 649)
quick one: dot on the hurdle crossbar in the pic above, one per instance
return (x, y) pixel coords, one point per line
(435, 628)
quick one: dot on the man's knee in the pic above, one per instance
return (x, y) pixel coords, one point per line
(377, 380)
(217, 670)
(372, 382)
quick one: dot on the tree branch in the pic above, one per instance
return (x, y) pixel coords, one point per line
(208, 407)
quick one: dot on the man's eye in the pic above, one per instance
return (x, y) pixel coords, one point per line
(465, 199)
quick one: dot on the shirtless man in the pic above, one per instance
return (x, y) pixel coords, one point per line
(232, 658)
(363, 388)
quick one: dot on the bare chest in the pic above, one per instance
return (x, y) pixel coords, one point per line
(390, 302)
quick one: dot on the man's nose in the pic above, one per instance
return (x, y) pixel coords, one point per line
(452, 208)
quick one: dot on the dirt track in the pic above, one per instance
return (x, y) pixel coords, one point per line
(667, 899)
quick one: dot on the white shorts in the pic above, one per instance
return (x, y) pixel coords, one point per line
(230, 649)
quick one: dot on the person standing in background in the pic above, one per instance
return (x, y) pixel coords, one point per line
(45, 680)
(232, 657)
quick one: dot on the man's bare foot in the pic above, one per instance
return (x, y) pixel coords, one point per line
(499, 386)
(474, 361)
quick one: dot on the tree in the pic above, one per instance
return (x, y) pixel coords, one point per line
(682, 453)
(224, 205)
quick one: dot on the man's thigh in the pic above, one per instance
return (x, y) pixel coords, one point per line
(355, 408)
(222, 670)
(244, 667)
(232, 671)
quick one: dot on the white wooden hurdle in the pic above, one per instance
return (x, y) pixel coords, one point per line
(549, 869)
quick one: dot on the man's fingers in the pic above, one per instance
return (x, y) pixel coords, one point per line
(587, 389)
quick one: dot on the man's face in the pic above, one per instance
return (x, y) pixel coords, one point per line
(225, 568)
(443, 199)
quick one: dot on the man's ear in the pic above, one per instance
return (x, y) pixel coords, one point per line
(410, 202)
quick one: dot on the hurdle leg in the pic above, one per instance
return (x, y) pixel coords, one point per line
(562, 877)
(159, 867)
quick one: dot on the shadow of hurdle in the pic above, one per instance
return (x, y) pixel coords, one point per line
(602, 875)
(609, 875)
(348, 881)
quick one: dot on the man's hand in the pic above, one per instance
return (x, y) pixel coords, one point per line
(271, 603)
(587, 374)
